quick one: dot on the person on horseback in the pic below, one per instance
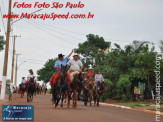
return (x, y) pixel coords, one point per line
(22, 83)
(23, 80)
(75, 66)
(98, 79)
(57, 66)
(30, 85)
(89, 73)
(31, 75)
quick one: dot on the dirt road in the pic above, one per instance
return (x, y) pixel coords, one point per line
(44, 111)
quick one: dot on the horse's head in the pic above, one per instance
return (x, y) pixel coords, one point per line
(80, 76)
(76, 77)
(32, 80)
(63, 71)
(104, 86)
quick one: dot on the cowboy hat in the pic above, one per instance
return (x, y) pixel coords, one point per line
(30, 70)
(90, 67)
(60, 55)
(75, 54)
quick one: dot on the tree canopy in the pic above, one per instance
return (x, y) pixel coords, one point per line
(92, 50)
(46, 72)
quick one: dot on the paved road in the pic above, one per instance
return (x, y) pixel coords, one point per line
(44, 111)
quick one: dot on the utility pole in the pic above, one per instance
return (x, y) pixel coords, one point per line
(16, 68)
(13, 60)
(6, 54)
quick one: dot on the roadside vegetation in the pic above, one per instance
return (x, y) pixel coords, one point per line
(122, 67)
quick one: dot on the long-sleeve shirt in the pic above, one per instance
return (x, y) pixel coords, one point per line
(90, 74)
(99, 77)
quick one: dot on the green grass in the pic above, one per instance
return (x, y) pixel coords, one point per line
(131, 104)
(138, 104)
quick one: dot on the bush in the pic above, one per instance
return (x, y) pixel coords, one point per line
(123, 87)
(108, 93)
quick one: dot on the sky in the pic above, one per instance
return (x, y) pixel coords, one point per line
(118, 21)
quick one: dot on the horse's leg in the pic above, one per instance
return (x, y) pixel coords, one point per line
(28, 97)
(76, 100)
(22, 93)
(62, 98)
(98, 100)
(53, 95)
(85, 99)
(73, 98)
(90, 99)
(65, 96)
(57, 99)
(68, 97)
(31, 97)
(94, 100)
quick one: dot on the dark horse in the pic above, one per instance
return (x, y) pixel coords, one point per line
(99, 91)
(30, 90)
(59, 89)
(22, 89)
(76, 87)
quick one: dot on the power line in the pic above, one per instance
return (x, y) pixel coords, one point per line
(58, 31)
(31, 62)
(33, 59)
(44, 24)
(51, 34)
(62, 29)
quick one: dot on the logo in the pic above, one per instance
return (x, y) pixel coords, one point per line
(17, 112)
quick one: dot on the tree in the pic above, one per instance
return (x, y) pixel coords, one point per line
(161, 46)
(2, 43)
(93, 50)
(46, 72)
(123, 87)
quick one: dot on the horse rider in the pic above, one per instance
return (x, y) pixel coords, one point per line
(75, 66)
(30, 76)
(98, 78)
(23, 80)
(57, 66)
(89, 74)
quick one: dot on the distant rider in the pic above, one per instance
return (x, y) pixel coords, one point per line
(98, 79)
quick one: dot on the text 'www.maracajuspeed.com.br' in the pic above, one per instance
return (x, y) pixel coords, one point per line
(52, 16)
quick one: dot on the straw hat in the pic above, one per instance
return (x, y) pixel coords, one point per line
(75, 54)
(90, 67)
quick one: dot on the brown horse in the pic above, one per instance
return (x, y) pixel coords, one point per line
(76, 87)
(99, 91)
(22, 89)
(89, 91)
